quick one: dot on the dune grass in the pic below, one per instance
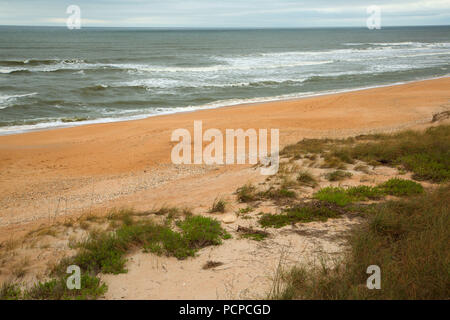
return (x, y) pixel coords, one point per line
(400, 187)
(54, 289)
(305, 178)
(302, 212)
(252, 234)
(338, 175)
(408, 239)
(277, 194)
(246, 193)
(104, 252)
(219, 205)
(426, 154)
(344, 196)
(10, 291)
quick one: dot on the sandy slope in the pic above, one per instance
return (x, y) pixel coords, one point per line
(62, 172)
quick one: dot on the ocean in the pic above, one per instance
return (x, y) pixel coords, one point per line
(52, 77)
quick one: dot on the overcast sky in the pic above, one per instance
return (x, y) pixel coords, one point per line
(224, 13)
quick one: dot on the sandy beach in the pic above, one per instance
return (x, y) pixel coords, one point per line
(56, 173)
(57, 183)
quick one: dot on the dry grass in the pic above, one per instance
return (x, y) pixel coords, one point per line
(407, 239)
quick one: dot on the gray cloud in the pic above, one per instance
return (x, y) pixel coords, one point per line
(224, 13)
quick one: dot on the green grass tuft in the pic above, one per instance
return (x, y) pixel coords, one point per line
(400, 187)
(246, 193)
(337, 175)
(253, 234)
(219, 205)
(278, 194)
(10, 291)
(408, 240)
(315, 211)
(201, 232)
(55, 289)
(305, 178)
(333, 162)
(426, 154)
(335, 195)
(343, 197)
(105, 252)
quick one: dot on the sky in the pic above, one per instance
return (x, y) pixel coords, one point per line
(225, 13)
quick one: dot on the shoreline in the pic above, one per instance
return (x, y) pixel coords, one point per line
(264, 100)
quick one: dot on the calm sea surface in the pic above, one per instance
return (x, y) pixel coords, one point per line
(54, 76)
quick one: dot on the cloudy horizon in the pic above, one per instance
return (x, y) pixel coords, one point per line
(224, 14)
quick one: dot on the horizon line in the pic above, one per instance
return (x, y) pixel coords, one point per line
(212, 27)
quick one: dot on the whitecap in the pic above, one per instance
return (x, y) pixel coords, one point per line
(5, 100)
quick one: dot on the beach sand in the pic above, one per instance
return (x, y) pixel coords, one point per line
(54, 174)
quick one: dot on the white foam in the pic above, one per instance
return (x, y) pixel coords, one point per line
(402, 44)
(158, 83)
(11, 70)
(5, 100)
(216, 68)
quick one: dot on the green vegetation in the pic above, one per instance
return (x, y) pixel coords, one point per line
(305, 212)
(426, 154)
(287, 183)
(361, 193)
(408, 239)
(55, 289)
(306, 179)
(219, 205)
(400, 187)
(245, 210)
(10, 291)
(336, 195)
(246, 193)
(337, 175)
(306, 147)
(105, 252)
(277, 194)
(362, 168)
(343, 197)
(333, 162)
(199, 232)
(165, 210)
(253, 234)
